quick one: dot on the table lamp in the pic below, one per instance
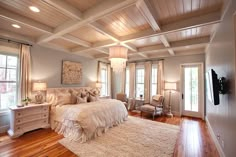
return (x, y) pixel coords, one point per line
(170, 86)
(39, 87)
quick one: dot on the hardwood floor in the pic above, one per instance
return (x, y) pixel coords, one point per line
(194, 141)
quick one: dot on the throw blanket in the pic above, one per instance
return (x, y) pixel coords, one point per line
(82, 122)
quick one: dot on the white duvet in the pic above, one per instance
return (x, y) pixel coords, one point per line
(85, 121)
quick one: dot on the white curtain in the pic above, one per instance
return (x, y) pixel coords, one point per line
(122, 89)
(160, 75)
(25, 72)
(147, 81)
(132, 80)
(108, 67)
(109, 79)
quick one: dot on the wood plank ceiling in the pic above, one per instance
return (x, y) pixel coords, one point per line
(148, 28)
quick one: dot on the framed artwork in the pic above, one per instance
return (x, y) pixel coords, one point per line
(71, 72)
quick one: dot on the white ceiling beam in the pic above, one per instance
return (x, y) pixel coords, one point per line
(38, 26)
(148, 13)
(104, 8)
(65, 8)
(98, 27)
(179, 53)
(146, 10)
(202, 41)
(76, 40)
(111, 35)
(24, 20)
(193, 22)
(16, 36)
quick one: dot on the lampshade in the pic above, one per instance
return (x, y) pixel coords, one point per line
(170, 86)
(118, 58)
(39, 86)
(98, 85)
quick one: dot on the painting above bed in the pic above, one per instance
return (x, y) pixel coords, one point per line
(71, 72)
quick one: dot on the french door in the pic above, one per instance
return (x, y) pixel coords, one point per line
(192, 89)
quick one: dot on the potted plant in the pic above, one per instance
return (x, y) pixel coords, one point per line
(26, 101)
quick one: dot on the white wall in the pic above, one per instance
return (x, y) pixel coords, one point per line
(221, 57)
(172, 74)
(47, 64)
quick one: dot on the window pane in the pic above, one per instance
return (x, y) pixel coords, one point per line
(2, 74)
(104, 82)
(140, 90)
(140, 82)
(11, 74)
(2, 61)
(11, 62)
(8, 95)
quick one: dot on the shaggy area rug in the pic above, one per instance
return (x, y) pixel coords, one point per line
(134, 138)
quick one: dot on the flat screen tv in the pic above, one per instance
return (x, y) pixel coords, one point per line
(213, 87)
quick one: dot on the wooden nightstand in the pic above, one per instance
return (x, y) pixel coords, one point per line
(27, 118)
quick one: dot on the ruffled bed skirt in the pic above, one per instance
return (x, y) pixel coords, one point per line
(72, 130)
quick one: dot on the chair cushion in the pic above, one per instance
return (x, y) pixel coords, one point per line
(148, 108)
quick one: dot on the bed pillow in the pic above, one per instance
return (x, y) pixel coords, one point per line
(74, 95)
(63, 99)
(81, 100)
(92, 98)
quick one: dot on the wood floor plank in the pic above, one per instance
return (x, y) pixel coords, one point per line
(193, 140)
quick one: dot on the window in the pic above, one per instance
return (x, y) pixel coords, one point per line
(8, 80)
(154, 80)
(139, 81)
(127, 82)
(104, 82)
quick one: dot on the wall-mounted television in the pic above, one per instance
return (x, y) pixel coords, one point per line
(213, 87)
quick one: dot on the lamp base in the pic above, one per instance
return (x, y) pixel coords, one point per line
(169, 114)
(39, 99)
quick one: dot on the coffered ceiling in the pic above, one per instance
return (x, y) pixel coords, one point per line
(148, 28)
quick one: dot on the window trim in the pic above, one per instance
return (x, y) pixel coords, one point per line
(5, 110)
(136, 82)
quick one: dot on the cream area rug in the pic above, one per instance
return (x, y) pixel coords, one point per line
(135, 137)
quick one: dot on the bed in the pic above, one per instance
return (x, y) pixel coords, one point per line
(79, 120)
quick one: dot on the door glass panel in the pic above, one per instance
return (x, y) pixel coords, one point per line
(191, 89)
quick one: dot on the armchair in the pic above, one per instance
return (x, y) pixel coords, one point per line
(122, 97)
(155, 107)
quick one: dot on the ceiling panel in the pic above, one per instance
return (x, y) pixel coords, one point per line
(191, 33)
(64, 43)
(89, 34)
(146, 41)
(48, 15)
(84, 5)
(172, 10)
(127, 21)
(24, 30)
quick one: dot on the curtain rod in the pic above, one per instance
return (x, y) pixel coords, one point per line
(103, 62)
(12, 41)
(145, 60)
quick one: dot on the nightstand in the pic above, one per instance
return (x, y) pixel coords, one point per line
(28, 118)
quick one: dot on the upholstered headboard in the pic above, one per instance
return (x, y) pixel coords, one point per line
(52, 93)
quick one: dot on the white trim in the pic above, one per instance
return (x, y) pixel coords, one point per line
(176, 113)
(213, 136)
(4, 128)
(4, 112)
(202, 87)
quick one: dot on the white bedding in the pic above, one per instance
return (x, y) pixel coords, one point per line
(82, 122)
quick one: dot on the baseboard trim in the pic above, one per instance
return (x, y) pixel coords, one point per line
(213, 136)
(4, 129)
(176, 113)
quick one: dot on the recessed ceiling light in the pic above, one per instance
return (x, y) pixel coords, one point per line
(34, 9)
(15, 26)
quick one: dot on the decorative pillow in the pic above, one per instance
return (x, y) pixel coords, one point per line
(74, 95)
(84, 94)
(63, 98)
(92, 98)
(81, 100)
